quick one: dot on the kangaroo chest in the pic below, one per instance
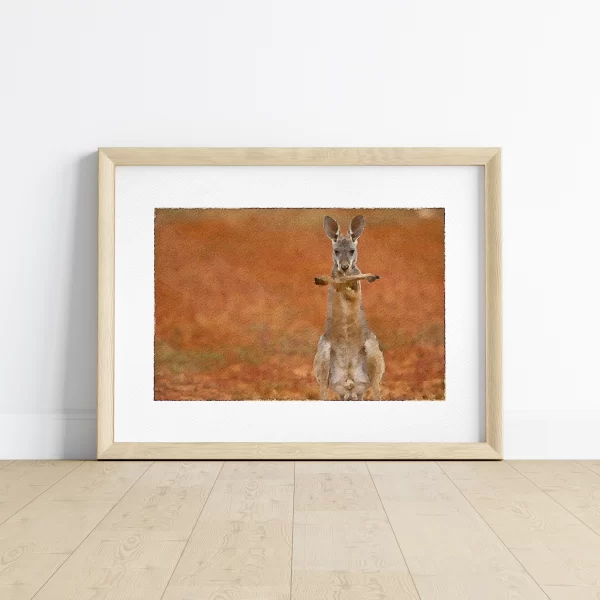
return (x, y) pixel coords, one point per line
(347, 332)
(346, 323)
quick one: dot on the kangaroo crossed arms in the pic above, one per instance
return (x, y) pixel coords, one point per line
(343, 281)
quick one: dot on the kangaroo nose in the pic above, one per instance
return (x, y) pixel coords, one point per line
(345, 266)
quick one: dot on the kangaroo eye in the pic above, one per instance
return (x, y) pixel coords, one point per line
(351, 252)
(337, 252)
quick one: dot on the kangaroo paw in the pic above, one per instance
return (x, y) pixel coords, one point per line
(320, 281)
(372, 278)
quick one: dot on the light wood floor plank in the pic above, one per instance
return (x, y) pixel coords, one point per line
(36, 540)
(134, 550)
(5, 463)
(571, 484)
(568, 592)
(332, 467)
(593, 465)
(342, 489)
(24, 480)
(241, 545)
(555, 547)
(344, 546)
(451, 553)
(164, 503)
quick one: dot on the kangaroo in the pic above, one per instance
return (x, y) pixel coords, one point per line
(348, 358)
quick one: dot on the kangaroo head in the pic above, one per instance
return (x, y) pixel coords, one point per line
(345, 247)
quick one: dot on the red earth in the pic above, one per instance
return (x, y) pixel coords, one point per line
(238, 316)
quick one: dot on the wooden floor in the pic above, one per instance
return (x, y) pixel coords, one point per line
(306, 530)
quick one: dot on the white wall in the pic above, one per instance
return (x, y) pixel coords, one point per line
(518, 74)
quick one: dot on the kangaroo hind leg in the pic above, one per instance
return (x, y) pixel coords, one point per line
(321, 366)
(375, 365)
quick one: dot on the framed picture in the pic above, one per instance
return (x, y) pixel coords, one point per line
(299, 303)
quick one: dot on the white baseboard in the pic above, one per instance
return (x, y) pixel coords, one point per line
(66, 434)
(527, 435)
(552, 435)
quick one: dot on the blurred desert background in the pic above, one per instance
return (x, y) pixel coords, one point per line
(238, 316)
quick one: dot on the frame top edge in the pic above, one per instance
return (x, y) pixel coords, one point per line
(283, 156)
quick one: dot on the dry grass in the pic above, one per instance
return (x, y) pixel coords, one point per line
(238, 315)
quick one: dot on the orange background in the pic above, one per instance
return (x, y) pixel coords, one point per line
(238, 316)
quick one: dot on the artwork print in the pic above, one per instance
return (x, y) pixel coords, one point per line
(311, 304)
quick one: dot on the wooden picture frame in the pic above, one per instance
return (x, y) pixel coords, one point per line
(110, 158)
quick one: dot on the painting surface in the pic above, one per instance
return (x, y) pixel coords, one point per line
(238, 315)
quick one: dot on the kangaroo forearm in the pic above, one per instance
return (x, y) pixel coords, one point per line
(366, 276)
(340, 282)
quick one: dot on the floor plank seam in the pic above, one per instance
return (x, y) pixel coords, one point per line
(43, 492)
(91, 531)
(492, 530)
(292, 541)
(553, 499)
(586, 467)
(10, 462)
(192, 531)
(393, 531)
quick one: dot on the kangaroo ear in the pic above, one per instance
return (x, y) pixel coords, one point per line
(356, 227)
(332, 229)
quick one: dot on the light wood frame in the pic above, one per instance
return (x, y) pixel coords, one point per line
(110, 158)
